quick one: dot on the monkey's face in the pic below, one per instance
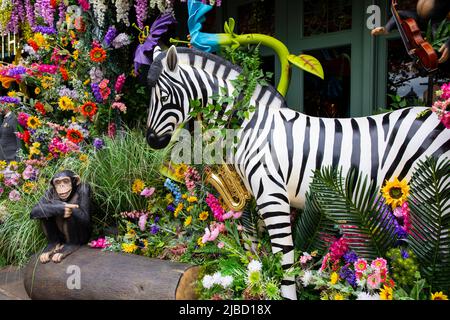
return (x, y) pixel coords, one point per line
(63, 187)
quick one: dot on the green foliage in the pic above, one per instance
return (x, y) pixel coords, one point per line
(353, 204)
(430, 220)
(440, 36)
(112, 170)
(418, 291)
(240, 99)
(312, 229)
(403, 269)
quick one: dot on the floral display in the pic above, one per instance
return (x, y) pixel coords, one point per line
(442, 106)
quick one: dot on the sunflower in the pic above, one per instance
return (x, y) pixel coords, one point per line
(138, 186)
(204, 215)
(98, 55)
(83, 157)
(76, 54)
(439, 296)
(75, 136)
(65, 103)
(395, 192)
(37, 90)
(89, 109)
(129, 247)
(386, 293)
(180, 171)
(33, 122)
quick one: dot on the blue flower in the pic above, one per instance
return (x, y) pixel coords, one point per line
(98, 143)
(154, 229)
(405, 254)
(174, 189)
(350, 257)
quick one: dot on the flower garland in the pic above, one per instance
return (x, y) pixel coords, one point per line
(141, 7)
(100, 8)
(122, 11)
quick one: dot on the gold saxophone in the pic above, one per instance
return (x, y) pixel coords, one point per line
(229, 185)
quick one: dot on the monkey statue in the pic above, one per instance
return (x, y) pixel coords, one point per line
(427, 10)
(64, 212)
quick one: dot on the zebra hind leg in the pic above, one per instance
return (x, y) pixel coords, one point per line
(275, 211)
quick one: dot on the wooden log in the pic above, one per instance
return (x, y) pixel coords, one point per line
(109, 276)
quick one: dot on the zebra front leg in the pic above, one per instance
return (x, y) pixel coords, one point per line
(275, 211)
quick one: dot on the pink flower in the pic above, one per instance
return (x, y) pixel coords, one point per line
(305, 258)
(325, 262)
(101, 243)
(29, 173)
(1, 191)
(446, 120)
(445, 91)
(148, 192)
(220, 245)
(215, 207)
(228, 215)
(14, 196)
(237, 215)
(360, 265)
(374, 281)
(338, 249)
(119, 106)
(210, 235)
(119, 83)
(143, 222)
(22, 118)
(379, 264)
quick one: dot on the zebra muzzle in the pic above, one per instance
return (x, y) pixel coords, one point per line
(158, 142)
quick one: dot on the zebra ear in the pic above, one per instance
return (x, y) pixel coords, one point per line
(156, 52)
(172, 58)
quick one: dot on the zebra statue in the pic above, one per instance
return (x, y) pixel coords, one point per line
(279, 148)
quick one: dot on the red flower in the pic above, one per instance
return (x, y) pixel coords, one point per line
(54, 3)
(25, 136)
(75, 136)
(98, 55)
(40, 108)
(33, 44)
(64, 73)
(89, 109)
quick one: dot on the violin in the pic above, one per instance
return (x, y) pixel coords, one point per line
(416, 46)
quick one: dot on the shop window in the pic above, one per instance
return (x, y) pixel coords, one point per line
(330, 97)
(326, 16)
(257, 17)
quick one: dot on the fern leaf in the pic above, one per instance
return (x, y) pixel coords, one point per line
(430, 220)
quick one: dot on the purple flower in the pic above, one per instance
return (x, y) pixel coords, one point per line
(45, 30)
(5, 99)
(405, 254)
(349, 275)
(96, 92)
(29, 9)
(157, 219)
(171, 208)
(14, 196)
(17, 71)
(350, 257)
(154, 229)
(44, 9)
(110, 35)
(121, 40)
(98, 143)
(141, 7)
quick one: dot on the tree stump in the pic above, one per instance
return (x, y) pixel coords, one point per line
(90, 274)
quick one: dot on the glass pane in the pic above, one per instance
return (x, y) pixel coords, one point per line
(405, 81)
(326, 16)
(329, 98)
(257, 17)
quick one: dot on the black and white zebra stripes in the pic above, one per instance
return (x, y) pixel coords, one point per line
(279, 148)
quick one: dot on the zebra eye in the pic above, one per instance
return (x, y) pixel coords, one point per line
(164, 99)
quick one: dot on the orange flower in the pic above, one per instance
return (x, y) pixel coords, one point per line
(40, 107)
(98, 55)
(75, 136)
(64, 73)
(89, 109)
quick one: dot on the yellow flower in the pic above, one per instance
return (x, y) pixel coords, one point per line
(395, 192)
(34, 150)
(338, 296)
(76, 53)
(192, 199)
(189, 209)
(178, 210)
(3, 165)
(184, 196)
(334, 278)
(439, 296)
(169, 198)
(37, 90)
(14, 165)
(386, 293)
(83, 157)
(200, 242)
(12, 94)
(129, 247)
(188, 221)
(204, 215)
(64, 41)
(33, 122)
(28, 187)
(180, 170)
(138, 186)
(47, 82)
(40, 39)
(86, 82)
(65, 103)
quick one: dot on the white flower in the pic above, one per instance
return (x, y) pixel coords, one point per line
(254, 266)
(226, 281)
(208, 282)
(121, 40)
(217, 278)
(361, 282)
(307, 277)
(99, 10)
(367, 296)
(122, 11)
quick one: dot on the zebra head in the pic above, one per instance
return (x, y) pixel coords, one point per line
(169, 102)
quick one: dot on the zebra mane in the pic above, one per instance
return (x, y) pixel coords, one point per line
(199, 59)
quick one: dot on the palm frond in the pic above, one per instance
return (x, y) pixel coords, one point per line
(312, 229)
(430, 220)
(353, 203)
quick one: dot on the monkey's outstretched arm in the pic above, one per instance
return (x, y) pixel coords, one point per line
(47, 207)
